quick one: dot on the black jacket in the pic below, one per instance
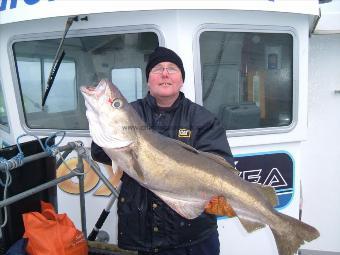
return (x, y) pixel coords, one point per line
(145, 222)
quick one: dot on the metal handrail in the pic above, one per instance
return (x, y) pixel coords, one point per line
(78, 171)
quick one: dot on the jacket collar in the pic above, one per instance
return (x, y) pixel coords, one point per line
(151, 101)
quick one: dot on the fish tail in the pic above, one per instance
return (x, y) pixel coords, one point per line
(291, 234)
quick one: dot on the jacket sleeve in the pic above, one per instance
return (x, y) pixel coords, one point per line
(99, 155)
(211, 137)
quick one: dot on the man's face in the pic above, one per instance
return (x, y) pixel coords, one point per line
(165, 80)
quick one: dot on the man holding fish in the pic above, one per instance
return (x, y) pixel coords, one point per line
(146, 223)
(173, 174)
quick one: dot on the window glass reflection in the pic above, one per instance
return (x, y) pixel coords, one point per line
(247, 78)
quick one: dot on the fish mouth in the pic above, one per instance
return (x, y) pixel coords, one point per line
(88, 90)
(96, 91)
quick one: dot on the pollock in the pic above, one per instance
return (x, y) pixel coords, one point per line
(185, 178)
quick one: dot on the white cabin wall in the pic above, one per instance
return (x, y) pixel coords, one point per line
(320, 171)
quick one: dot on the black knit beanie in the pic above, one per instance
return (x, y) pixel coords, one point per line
(162, 54)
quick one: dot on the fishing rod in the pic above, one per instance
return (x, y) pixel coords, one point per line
(92, 236)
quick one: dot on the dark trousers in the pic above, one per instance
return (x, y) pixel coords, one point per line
(210, 246)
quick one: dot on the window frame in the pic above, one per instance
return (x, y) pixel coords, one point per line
(251, 29)
(5, 128)
(71, 34)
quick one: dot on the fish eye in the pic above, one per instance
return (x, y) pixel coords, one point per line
(117, 103)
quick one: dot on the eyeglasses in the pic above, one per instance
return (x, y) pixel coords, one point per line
(160, 70)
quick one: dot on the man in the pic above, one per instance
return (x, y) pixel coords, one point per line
(145, 222)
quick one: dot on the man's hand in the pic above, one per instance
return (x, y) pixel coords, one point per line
(219, 206)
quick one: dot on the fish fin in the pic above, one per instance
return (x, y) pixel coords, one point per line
(185, 208)
(250, 225)
(113, 169)
(220, 160)
(268, 192)
(136, 166)
(293, 236)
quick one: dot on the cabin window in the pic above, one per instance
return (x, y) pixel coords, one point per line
(33, 74)
(88, 59)
(129, 81)
(3, 112)
(247, 78)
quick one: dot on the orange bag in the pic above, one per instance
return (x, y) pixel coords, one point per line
(50, 233)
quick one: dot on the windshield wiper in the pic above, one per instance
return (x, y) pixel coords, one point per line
(57, 59)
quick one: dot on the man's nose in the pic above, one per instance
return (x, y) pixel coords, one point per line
(165, 72)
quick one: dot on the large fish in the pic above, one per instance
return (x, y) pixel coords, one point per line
(186, 179)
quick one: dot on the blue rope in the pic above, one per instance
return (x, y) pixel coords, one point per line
(38, 139)
(51, 150)
(7, 183)
(18, 160)
(8, 175)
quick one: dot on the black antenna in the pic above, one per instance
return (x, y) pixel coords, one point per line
(57, 59)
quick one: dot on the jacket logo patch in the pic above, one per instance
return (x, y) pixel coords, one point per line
(183, 132)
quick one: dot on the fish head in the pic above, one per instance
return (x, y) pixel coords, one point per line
(109, 114)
